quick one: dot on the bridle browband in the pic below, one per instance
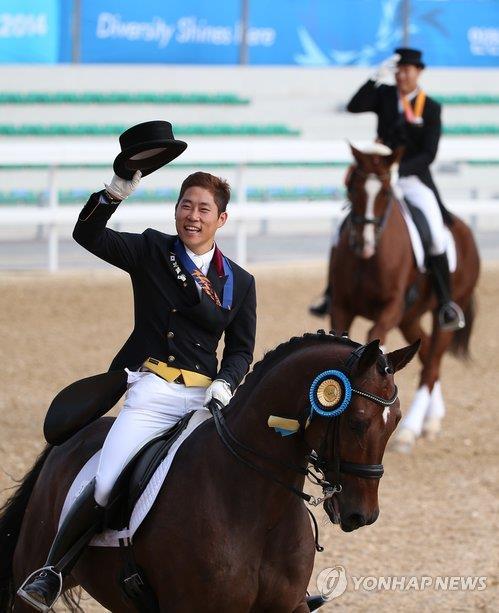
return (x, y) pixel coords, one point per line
(315, 460)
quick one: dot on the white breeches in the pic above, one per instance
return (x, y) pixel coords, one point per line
(422, 197)
(152, 405)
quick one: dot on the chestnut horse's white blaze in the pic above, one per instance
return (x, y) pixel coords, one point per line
(372, 189)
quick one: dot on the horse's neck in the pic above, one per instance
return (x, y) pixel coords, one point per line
(394, 239)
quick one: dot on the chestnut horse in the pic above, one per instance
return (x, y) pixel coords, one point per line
(373, 274)
(230, 531)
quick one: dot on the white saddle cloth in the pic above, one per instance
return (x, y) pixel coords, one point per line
(110, 538)
(417, 245)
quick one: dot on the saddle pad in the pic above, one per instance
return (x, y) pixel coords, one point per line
(110, 538)
(417, 245)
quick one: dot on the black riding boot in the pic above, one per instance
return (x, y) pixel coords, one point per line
(450, 315)
(84, 520)
(321, 307)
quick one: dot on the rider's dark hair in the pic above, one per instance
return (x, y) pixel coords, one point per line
(218, 188)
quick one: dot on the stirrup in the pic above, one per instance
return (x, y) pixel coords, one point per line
(36, 604)
(458, 323)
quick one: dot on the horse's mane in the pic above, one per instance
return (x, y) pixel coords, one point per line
(272, 357)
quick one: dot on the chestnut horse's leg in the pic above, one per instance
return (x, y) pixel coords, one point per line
(341, 319)
(427, 408)
(412, 331)
(389, 318)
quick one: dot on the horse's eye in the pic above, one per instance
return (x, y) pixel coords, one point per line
(359, 425)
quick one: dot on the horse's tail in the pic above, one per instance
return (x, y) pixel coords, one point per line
(11, 518)
(460, 341)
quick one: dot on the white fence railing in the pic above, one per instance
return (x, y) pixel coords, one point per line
(241, 215)
(241, 152)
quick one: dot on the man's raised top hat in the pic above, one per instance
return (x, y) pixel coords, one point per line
(410, 56)
(147, 147)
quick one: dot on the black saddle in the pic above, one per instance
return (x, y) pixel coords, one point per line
(137, 474)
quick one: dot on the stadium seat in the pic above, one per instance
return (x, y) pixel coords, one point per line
(119, 98)
(115, 130)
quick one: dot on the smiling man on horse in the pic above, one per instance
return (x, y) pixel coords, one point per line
(410, 119)
(186, 295)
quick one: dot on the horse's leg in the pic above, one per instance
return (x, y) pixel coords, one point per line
(412, 331)
(389, 318)
(427, 408)
(430, 377)
(341, 319)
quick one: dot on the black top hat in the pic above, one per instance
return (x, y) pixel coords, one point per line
(410, 56)
(147, 147)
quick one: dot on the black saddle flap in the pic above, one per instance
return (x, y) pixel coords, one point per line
(137, 473)
(81, 403)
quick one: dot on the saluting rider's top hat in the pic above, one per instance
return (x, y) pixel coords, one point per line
(409, 56)
(147, 147)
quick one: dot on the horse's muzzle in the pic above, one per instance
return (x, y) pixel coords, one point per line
(357, 520)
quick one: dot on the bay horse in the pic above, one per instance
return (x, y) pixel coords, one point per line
(230, 531)
(373, 274)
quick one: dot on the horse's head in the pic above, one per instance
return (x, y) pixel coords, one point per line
(326, 401)
(370, 195)
(351, 442)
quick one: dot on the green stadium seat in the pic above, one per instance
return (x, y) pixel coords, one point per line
(471, 130)
(120, 98)
(467, 99)
(254, 194)
(115, 130)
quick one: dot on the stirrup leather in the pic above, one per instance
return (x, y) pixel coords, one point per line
(36, 604)
(459, 321)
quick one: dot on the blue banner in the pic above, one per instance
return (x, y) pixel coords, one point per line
(29, 31)
(281, 32)
(365, 32)
(325, 33)
(177, 31)
(456, 32)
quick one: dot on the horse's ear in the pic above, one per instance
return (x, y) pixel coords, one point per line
(369, 356)
(396, 156)
(357, 153)
(401, 357)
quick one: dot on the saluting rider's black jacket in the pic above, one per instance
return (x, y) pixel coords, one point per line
(420, 140)
(172, 323)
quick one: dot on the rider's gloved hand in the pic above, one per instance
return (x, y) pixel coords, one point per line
(119, 188)
(220, 390)
(386, 69)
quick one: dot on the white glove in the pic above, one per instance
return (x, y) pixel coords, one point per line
(220, 390)
(386, 69)
(119, 188)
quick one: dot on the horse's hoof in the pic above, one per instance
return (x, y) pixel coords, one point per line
(403, 442)
(431, 428)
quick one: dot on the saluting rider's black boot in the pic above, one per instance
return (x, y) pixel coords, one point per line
(450, 314)
(321, 307)
(43, 587)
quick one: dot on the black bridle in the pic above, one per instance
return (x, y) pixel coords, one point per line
(316, 460)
